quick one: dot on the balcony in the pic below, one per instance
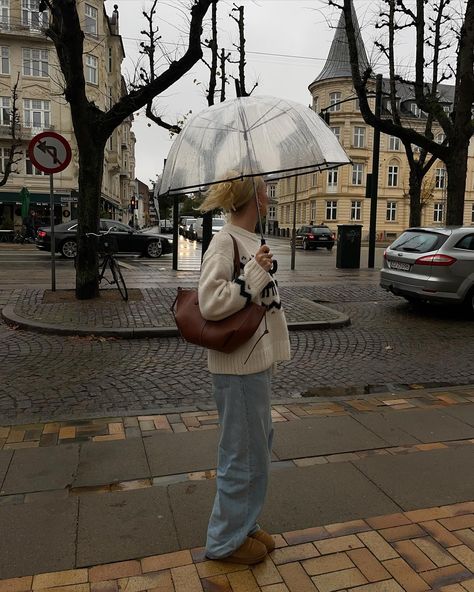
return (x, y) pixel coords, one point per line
(31, 132)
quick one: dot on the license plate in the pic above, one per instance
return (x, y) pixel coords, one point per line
(323, 238)
(399, 265)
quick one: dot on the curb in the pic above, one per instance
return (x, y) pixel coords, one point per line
(11, 318)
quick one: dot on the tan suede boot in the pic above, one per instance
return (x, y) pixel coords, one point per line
(265, 538)
(250, 552)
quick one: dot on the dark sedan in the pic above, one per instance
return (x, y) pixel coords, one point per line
(311, 237)
(128, 240)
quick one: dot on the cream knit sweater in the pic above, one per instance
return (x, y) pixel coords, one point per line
(221, 296)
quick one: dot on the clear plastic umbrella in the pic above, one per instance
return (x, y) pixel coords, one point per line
(255, 135)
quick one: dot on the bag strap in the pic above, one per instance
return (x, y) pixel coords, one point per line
(236, 258)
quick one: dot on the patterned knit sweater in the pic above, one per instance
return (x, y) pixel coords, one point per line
(221, 296)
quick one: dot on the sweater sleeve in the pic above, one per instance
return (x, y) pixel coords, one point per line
(220, 295)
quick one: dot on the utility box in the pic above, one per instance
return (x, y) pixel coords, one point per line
(348, 246)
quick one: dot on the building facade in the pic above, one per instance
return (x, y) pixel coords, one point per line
(339, 196)
(29, 56)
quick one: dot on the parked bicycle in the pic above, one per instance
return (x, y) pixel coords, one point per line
(107, 247)
(24, 235)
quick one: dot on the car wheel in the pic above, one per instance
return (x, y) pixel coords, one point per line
(69, 248)
(469, 302)
(305, 245)
(154, 249)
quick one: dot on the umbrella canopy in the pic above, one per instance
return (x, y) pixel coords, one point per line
(253, 136)
(25, 202)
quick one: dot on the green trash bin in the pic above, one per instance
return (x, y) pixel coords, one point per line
(348, 246)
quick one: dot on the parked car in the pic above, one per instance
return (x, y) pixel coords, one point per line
(217, 224)
(313, 236)
(129, 240)
(186, 227)
(432, 265)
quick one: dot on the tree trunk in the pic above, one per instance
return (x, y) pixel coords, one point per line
(414, 193)
(456, 169)
(91, 162)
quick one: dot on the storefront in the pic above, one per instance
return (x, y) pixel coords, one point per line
(10, 209)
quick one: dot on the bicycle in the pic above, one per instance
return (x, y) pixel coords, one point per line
(107, 247)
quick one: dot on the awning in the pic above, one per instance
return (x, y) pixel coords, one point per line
(13, 197)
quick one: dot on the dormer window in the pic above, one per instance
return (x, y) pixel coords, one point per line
(417, 112)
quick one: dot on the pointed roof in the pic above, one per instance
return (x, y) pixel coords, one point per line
(338, 64)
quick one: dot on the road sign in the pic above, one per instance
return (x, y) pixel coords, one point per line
(49, 152)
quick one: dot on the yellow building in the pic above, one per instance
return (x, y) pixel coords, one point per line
(27, 54)
(339, 196)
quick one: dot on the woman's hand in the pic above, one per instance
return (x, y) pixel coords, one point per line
(264, 257)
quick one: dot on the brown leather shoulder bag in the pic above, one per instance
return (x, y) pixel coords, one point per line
(225, 335)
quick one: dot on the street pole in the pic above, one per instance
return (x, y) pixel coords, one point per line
(293, 231)
(375, 174)
(53, 239)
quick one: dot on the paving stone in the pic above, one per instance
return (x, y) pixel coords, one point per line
(385, 425)
(424, 479)
(120, 526)
(109, 462)
(41, 469)
(315, 437)
(170, 453)
(464, 413)
(42, 537)
(5, 459)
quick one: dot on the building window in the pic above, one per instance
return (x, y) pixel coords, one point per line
(393, 143)
(438, 212)
(417, 112)
(447, 108)
(4, 158)
(357, 104)
(336, 130)
(36, 113)
(357, 173)
(331, 210)
(91, 69)
(110, 59)
(91, 19)
(5, 111)
(314, 179)
(31, 15)
(391, 211)
(272, 191)
(287, 216)
(359, 137)
(271, 212)
(334, 98)
(356, 210)
(332, 180)
(298, 212)
(313, 210)
(440, 178)
(393, 175)
(5, 60)
(31, 169)
(4, 14)
(440, 138)
(35, 62)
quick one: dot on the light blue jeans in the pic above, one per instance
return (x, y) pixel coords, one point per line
(245, 445)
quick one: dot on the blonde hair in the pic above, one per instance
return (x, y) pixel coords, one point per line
(231, 196)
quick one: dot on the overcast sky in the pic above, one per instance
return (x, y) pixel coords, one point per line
(287, 42)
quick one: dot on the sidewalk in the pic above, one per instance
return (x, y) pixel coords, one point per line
(381, 500)
(146, 314)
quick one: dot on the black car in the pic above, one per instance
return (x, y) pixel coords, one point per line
(311, 237)
(128, 239)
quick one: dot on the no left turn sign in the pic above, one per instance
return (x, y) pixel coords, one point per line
(49, 152)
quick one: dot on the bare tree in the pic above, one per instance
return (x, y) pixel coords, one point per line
(92, 126)
(15, 155)
(457, 126)
(241, 49)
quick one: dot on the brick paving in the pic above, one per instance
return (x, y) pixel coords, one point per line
(415, 551)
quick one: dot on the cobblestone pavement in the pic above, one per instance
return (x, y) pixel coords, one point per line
(388, 343)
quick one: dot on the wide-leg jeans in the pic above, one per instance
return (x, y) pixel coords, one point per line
(244, 454)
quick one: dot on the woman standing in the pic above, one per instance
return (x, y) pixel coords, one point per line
(242, 379)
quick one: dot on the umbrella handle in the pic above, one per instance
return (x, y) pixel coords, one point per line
(274, 262)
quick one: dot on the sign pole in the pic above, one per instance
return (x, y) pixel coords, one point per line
(50, 153)
(53, 242)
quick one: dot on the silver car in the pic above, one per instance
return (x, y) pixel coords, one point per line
(432, 264)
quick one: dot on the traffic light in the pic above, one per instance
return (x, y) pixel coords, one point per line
(132, 203)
